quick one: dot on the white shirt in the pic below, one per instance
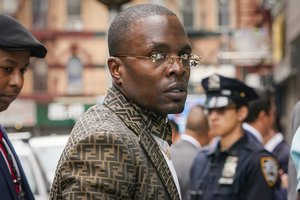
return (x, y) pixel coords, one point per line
(273, 142)
(165, 147)
(192, 140)
(253, 131)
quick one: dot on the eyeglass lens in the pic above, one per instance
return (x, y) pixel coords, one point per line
(185, 62)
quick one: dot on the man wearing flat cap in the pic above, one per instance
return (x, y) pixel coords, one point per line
(17, 45)
(238, 167)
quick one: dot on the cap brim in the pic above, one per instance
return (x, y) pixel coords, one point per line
(36, 51)
(216, 102)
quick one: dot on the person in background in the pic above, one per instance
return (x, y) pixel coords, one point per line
(17, 45)
(260, 123)
(294, 166)
(295, 154)
(238, 167)
(175, 131)
(120, 149)
(183, 152)
(260, 118)
(279, 147)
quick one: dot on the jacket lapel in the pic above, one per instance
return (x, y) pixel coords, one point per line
(152, 149)
(5, 172)
(24, 182)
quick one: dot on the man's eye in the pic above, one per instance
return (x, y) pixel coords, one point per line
(156, 57)
(6, 69)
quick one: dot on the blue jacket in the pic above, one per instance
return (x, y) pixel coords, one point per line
(7, 189)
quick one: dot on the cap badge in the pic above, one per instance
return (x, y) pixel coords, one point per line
(242, 94)
(214, 82)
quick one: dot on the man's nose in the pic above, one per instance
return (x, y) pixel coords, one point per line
(175, 66)
(16, 79)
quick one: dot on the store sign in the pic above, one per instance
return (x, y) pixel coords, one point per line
(60, 111)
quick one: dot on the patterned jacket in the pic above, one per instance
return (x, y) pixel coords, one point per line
(112, 155)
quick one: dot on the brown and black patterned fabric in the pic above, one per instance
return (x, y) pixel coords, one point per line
(112, 155)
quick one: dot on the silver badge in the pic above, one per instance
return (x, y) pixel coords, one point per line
(229, 170)
(214, 82)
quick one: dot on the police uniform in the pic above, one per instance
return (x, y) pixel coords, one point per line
(245, 170)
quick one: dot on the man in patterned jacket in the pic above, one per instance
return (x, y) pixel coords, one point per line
(120, 149)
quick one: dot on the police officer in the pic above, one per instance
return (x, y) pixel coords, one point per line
(238, 167)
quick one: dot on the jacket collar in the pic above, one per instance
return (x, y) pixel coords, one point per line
(142, 122)
(137, 118)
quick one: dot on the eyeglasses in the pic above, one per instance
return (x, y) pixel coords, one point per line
(187, 60)
(219, 111)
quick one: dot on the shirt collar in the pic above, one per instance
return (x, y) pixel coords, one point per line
(253, 131)
(274, 141)
(192, 140)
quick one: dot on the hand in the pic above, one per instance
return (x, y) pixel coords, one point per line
(284, 178)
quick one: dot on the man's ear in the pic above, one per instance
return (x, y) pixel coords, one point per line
(114, 65)
(262, 115)
(243, 113)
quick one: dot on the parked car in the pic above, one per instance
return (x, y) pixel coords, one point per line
(33, 170)
(48, 150)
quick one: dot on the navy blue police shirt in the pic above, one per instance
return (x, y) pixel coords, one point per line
(246, 171)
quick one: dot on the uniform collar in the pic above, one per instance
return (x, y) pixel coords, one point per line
(233, 150)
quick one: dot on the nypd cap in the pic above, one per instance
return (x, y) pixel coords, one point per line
(221, 91)
(15, 37)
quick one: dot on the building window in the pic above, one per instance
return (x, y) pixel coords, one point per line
(39, 8)
(74, 21)
(9, 6)
(187, 10)
(40, 74)
(224, 13)
(75, 69)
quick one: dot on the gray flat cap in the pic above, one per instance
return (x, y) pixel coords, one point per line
(15, 37)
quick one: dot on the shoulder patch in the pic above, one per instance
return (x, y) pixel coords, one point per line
(269, 167)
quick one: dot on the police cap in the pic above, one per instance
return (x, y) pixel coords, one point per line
(221, 91)
(15, 37)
